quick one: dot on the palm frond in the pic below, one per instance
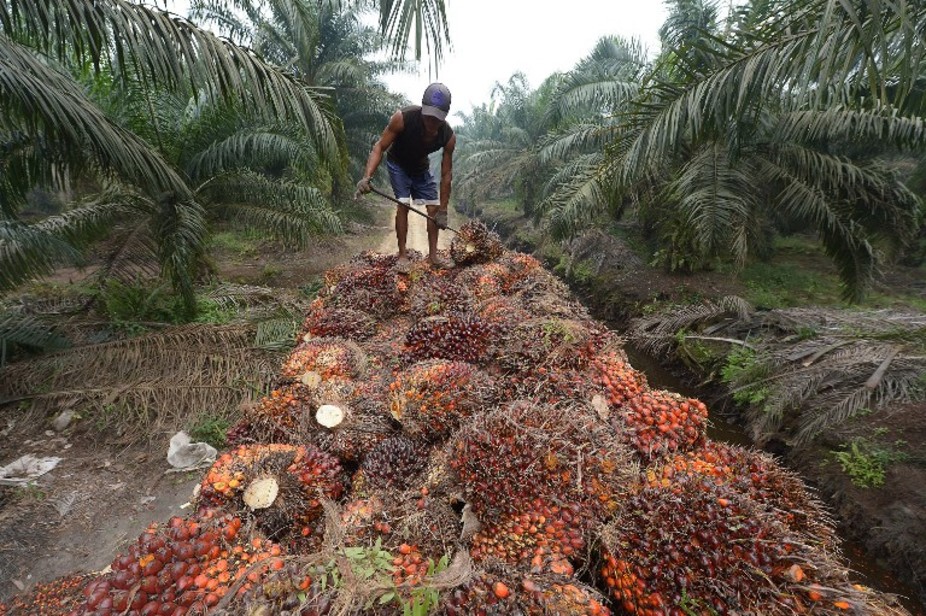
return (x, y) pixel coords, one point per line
(26, 330)
(428, 18)
(294, 212)
(167, 51)
(251, 148)
(52, 103)
(577, 140)
(716, 199)
(573, 204)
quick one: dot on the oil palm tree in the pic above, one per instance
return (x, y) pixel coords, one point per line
(736, 128)
(57, 129)
(323, 44)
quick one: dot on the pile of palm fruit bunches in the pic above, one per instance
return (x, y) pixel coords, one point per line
(470, 441)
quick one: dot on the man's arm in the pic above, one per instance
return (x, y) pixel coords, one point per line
(446, 172)
(390, 133)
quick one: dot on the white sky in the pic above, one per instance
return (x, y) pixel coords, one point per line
(494, 38)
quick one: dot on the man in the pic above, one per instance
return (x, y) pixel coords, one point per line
(411, 135)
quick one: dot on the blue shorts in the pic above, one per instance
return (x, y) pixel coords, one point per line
(421, 187)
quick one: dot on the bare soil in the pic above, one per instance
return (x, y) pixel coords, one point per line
(107, 489)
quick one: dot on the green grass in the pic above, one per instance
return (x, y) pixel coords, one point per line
(235, 242)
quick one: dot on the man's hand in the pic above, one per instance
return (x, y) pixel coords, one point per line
(440, 218)
(363, 187)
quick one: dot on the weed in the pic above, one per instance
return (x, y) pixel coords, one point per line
(312, 288)
(865, 462)
(372, 567)
(270, 271)
(211, 311)
(30, 493)
(210, 429)
(742, 370)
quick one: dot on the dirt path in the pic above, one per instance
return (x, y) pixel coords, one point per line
(418, 233)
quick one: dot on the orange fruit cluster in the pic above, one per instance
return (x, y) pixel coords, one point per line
(185, 568)
(543, 538)
(621, 381)
(409, 567)
(328, 357)
(659, 422)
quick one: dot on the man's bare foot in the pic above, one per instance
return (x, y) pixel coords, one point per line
(439, 263)
(403, 265)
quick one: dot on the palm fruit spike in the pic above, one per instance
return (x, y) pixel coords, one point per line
(613, 371)
(394, 463)
(457, 337)
(544, 538)
(475, 243)
(432, 397)
(185, 567)
(757, 475)
(300, 477)
(328, 358)
(659, 422)
(502, 591)
(438, 296)
(330, 322)
(518, 453)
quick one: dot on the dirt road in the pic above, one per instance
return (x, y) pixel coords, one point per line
(418, 232)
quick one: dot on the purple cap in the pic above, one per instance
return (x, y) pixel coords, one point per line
(436, 101)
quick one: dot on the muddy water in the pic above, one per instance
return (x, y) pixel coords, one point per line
(864, 569)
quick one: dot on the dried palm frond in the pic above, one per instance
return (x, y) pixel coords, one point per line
(656, 334)
(150, 380)
(810, 368)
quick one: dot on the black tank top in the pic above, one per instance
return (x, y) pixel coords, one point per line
(409, 149)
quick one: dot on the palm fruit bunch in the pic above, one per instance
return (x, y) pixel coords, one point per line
(475, 243)
(666, 548)
(544, 538)
(185, 567)
(550, 387)
(555, 344)
(658, 422)
(430, 398)
(244, 432)
(503, 313)
(518, 268)
(280, 486)
(758, 476)
(394, 463)
(55, 598)
(500, 590)
(439, 296)
(329, 358)
(361, 436)
(329, 322)
(521, 452)
(483, 280)
(457, 337)
(374, 290)
(622, 382)
(278, 416)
